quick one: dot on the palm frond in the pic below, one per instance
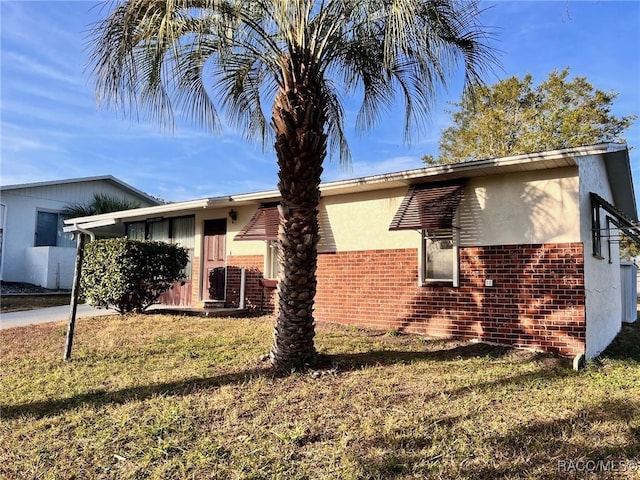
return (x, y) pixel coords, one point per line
(193, 57)
(100, 203)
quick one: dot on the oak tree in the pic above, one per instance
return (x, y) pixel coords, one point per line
(515, 117)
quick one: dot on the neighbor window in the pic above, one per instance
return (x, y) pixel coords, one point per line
(49, 231)
(439, 259)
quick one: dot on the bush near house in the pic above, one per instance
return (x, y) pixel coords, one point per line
(130, 275)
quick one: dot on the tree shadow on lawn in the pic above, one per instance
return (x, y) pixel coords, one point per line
(354, 361)
(626, 345)
(338, 363)
(550, 449)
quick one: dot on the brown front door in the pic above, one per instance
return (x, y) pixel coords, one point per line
(215, 233)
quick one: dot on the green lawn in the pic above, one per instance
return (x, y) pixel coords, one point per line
(180, 397)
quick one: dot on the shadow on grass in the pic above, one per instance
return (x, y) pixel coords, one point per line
(339, 362)
(97, 398)
(521, 452)
(353, 361)
(626, 346)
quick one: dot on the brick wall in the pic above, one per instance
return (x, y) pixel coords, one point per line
(253, 265)
(537, 300)
(195, 280)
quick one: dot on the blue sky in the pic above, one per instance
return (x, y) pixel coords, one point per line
(51, 128)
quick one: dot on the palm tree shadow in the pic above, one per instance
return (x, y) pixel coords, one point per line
(356, 361)
(342, 362)
(46, 408)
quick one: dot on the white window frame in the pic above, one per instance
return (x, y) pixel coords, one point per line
(270, 259)
(63, 239)
(454, 235)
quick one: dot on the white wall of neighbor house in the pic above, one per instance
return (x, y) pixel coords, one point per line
(50, 267)
(23, 205)
(602, 276)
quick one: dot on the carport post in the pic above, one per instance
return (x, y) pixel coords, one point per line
(75, 290)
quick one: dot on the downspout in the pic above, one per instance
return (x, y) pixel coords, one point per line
(243, 279)
(75, 289)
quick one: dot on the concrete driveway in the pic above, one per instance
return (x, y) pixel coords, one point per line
(51, 314)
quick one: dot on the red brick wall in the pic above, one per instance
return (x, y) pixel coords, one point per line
(195, 281)
(253, 265)
(537, 300)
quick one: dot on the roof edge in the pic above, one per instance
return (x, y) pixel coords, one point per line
(155, 210)
(106, 178)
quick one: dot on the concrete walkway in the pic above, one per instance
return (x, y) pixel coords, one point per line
(51, 314)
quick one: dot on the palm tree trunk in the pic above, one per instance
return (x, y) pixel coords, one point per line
(298, 120)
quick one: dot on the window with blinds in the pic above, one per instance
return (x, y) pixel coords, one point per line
(431, 209)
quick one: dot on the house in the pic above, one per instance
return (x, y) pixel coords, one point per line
(33, 248)
(517, 251)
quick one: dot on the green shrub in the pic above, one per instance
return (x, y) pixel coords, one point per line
(130, 275)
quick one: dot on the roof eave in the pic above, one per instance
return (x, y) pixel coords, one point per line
(105, 178)
(158, 210)
(618, 167)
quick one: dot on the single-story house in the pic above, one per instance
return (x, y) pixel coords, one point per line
(517, 251)
(33, 247)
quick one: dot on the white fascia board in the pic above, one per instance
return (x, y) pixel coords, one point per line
(528, 161)
(474, 168)
(90, 225)
(151, 211)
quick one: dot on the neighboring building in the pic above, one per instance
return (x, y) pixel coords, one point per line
(517, 251)
(33, 247)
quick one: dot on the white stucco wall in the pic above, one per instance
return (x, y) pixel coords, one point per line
(520, 208)
(50, 267)
(22, 205)
(602, 277)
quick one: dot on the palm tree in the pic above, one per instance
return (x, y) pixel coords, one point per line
(240, 56)
(101, 203)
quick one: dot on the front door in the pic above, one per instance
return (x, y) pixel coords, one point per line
(215, 233)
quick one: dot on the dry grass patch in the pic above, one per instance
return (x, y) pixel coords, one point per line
(20, 303)
(180, 397)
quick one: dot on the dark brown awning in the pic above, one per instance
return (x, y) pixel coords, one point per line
(263, 224)
(429, 206)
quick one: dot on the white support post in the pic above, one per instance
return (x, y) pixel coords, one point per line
(243, 278)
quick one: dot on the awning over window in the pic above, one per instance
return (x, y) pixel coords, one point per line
(263, 224)
(615, 216)
(429, 206)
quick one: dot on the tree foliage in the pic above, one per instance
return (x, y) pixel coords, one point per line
(101, 203)
(297, 58)
(515, 117)
(130, 275)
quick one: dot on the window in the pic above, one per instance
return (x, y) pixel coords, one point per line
(271, 265)
(596, 232)
(622, 223)
(431, 209)
(136, 231)
(439, 259)
(179, 230)
(263, 225)
(49, 231)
